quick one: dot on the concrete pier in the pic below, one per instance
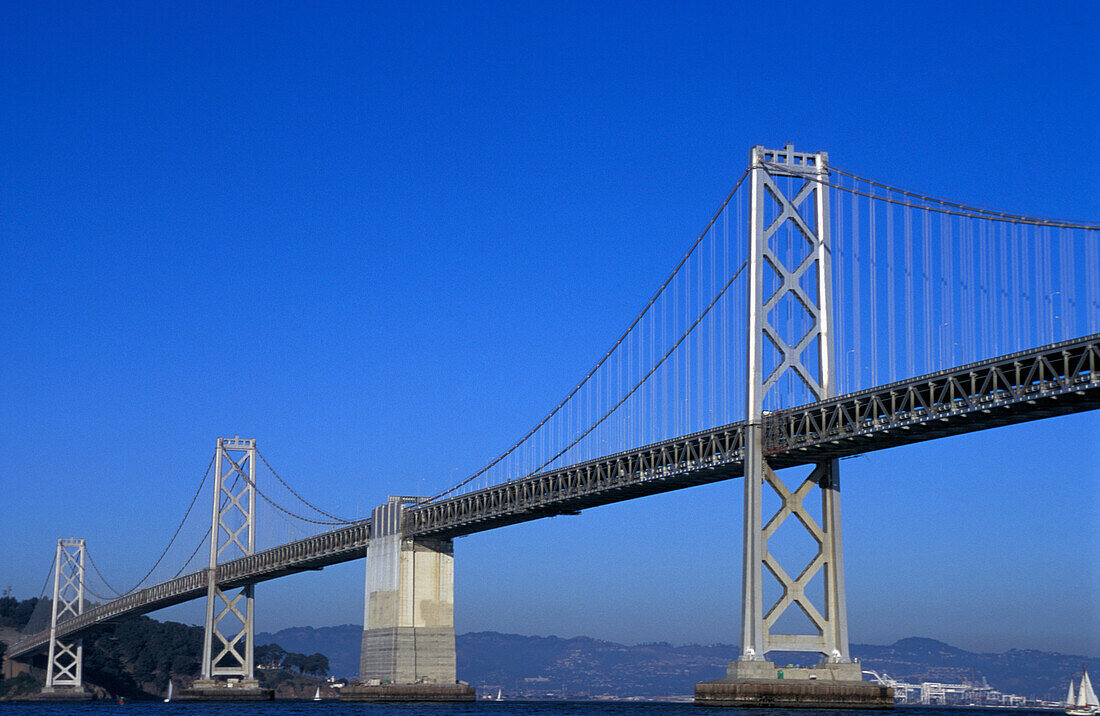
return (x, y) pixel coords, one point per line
(232, 690)
(408, 648)
(459, 691)
(61, 694)
(763, 684)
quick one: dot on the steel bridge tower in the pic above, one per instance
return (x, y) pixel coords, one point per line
(232, 535)
(65, 662)
(809, 358)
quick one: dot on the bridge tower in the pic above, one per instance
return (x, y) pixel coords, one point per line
(787, 280)
(229, 636)
(801, 278)
(65, 661)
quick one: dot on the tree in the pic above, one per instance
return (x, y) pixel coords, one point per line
(270, 655)
(316, 664)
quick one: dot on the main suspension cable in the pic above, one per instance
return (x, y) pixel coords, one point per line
(970, 212)
(1038, 220)
(171, 541)
(49, 573)
(277, 506)
(606, 355)
(196, 551)
(91, 560)
(304, 501)
(652, 370)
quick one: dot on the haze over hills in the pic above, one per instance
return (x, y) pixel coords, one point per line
(538, 667)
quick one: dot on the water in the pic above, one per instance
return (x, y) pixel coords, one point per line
(481, 708)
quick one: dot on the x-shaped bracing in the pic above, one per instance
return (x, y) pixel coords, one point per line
(233, 502)
(229, 645)
(790, 283)
(794, 590)
(66, 659)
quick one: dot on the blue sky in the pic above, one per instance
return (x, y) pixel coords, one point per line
(380, 240)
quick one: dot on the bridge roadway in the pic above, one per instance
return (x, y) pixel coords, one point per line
(1057, 379)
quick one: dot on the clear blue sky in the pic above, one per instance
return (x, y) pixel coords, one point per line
(378, 239)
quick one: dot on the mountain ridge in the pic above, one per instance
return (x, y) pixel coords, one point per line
(544, 666)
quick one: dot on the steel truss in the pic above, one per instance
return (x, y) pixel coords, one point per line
(1058, 379)
(233, 530)
(65, 662)
(818, 377)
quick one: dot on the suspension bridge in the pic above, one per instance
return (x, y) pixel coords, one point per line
(818, 315)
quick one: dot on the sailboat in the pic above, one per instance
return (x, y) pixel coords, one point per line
(317, 696)
(169, 699)
(1086, 703)
(500, 695)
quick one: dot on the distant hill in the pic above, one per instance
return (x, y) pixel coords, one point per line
(533, 666)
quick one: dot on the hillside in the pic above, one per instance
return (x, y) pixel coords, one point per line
(137, 656)
(537, 667)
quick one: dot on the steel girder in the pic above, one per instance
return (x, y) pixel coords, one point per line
(1054, 380)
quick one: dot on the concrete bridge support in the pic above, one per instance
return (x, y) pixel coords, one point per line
(408, 648)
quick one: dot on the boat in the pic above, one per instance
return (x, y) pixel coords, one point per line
(169, 699)
(1086, 703)
(317, 695)
(500, 696)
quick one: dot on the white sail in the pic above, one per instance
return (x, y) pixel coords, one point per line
(169, 692)
(1071, 700)
(1085, 695)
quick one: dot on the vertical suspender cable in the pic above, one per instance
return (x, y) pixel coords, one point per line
(857, 291)
(713, 387)
(909, 317)
(926, 269)
(1065, 280)
(1021, 283)
(841, 305)
(871, 226)
(890, 295)
(1092, 270)
(943, 340)
(1002, 293)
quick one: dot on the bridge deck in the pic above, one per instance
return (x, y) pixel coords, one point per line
(1053, 380)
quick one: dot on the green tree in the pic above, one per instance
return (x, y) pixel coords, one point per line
(316, 664)
(295, 661)
(270, 655)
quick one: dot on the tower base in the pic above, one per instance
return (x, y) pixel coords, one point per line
(244, 690)
(460, 691)
(63, 694)
(824, 686)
